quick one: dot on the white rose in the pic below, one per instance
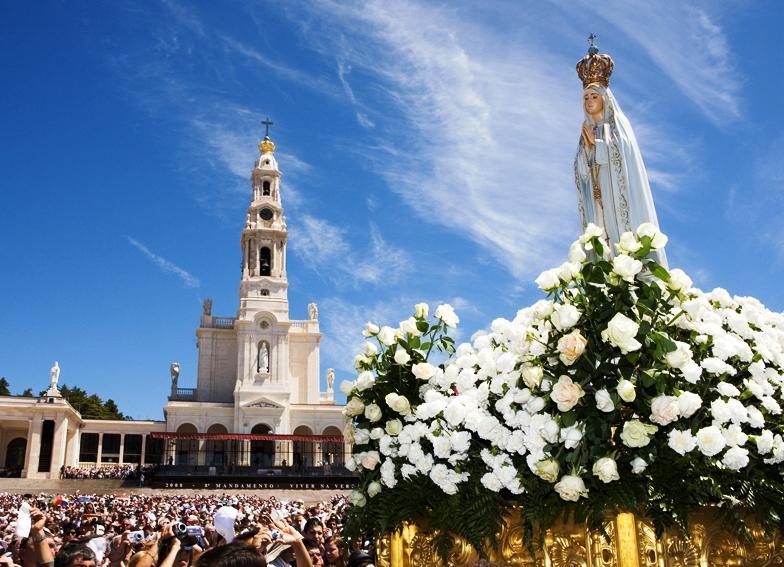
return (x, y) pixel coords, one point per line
(620, 332)
(720, 411)
(606, 469)
(532, 375)
(626, 390)
(543, 308)
(398, 403)
(370, 329)
(727, 389)
(571, 487)
(764, 442)
(680, 357)
(604, 401)
(638, 465)
(547, 469)
(681, 441)
(568, 271)
(664, 409)
(688, 404)
(354, 407)
(370, 350)
(409, 326)
(636, 433)
(591, 231)
(401, 356)
(691, 372)
(369, 459)
(356, 498)
(658, 239)
(376, 433)
(566, 393)
(626, 267)
(771, 405)
(373, 488)
(447, 314)
(373, 412)
(710, 440)
(571, 347)
(735, 436)
(345, 387)
(628, 243)
(387, 336)
(576, 252)
(423, 370)
(736, 458)
(394, 427)
(548, 280)
(421, 310)
(361, 436)
(679, 281)
(565, 316)
(571, 436)
(365, 380)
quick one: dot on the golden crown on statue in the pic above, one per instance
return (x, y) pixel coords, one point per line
(595, 67)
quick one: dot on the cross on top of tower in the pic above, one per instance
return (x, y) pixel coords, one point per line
(266, 145)
(267, 123)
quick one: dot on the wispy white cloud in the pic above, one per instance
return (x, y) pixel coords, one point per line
(362, 118)
(687, 44)
(166, 266)
(325, 248)
(483, 133)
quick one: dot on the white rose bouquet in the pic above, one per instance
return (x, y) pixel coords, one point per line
(625, 389)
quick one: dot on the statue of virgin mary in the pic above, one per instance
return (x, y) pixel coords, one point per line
(612, 185)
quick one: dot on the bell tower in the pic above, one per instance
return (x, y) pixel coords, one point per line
(264, 286)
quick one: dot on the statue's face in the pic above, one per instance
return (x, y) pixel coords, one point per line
(592, 102)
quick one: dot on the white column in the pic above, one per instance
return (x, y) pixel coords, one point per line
(72, 455)
(122, 448)
(144, 449)
(100, 450)
(33, 452)
(59, 441)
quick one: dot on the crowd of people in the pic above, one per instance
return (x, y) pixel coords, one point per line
(115, 472)
(163, 530)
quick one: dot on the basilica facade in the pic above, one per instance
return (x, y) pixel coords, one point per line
(257, 401)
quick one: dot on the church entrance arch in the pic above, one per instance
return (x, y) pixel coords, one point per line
(217, 450)
(303, 450)
(331, 452)
(186, 451)
(15, 453)
(262, 453)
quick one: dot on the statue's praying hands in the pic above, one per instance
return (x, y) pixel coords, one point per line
(589, 137)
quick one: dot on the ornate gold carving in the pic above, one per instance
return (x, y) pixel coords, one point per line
(625, 541)
(595, 68)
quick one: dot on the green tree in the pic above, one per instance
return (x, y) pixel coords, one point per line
(4, 389)
(91, 406)
(28, 393)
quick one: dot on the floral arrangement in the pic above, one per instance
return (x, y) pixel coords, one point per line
(625, 389)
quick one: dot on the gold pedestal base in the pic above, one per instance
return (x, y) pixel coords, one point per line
(631, 542)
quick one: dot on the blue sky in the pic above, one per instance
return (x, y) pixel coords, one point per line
(426, 150)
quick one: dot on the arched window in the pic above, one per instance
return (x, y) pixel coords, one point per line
(265, 189)
(265, 262)
(263, 357)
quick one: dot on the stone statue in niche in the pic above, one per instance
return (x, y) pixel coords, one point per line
(54, 376)
(312, 311)
(263, 359)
